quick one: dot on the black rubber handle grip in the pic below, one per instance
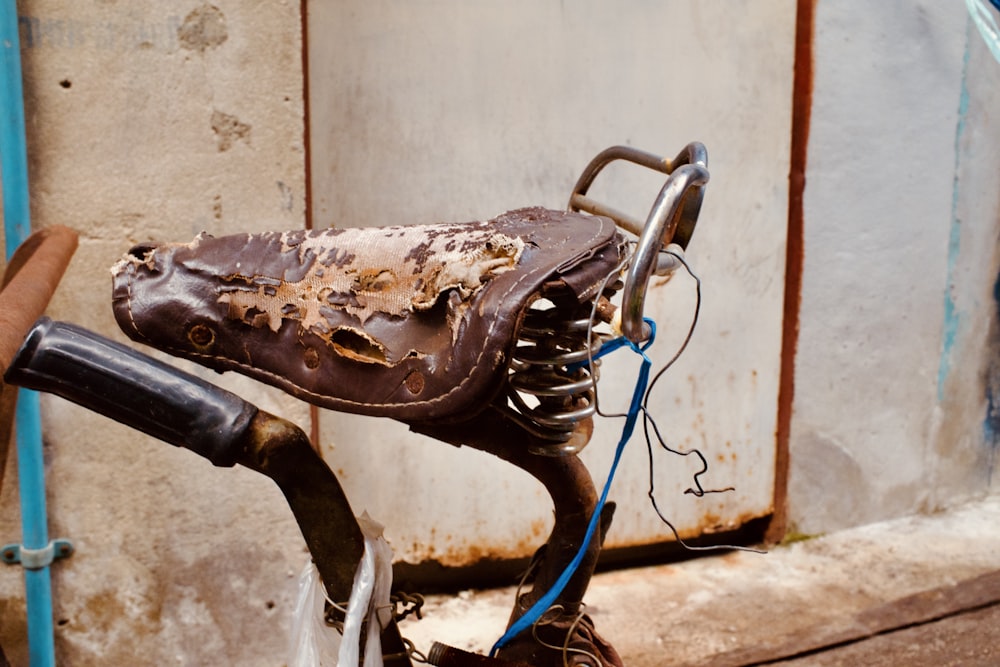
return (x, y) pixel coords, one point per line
(132, 388)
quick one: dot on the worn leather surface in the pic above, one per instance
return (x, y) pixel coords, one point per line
(414, 323)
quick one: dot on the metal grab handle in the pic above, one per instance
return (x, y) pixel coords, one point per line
(672, 218)
(694, 153)
(673, 204)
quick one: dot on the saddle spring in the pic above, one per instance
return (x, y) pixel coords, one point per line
(553, 372)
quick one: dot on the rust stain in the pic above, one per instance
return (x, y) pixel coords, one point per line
(228, 130)
(710, 523)
(460, 553)
(414, 382)
(203, 28)
(802, 87)
(311, 358)
(314, 437)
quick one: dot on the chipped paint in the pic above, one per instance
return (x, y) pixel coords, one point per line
(387, 277)
(392, 276)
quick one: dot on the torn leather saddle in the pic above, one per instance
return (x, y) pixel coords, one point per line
(416, 322)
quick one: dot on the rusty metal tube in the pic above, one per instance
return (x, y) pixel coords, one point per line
(31, 278)
(569, 485)
(280, 450)
(442, 655)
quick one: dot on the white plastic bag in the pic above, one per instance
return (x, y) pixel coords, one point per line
(314, 643)
(369, 598)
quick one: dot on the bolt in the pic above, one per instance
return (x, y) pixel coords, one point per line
(414, 382)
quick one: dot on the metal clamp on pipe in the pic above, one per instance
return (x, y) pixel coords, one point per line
(36, 559)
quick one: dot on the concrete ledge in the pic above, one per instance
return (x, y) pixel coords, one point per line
(745, 608)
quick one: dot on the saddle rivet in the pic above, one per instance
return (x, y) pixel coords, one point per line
(414, 382)
(311, 358)
(201, 335)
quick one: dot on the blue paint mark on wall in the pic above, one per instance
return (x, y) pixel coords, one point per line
(952, 316)
(991, 423)
(953, 307)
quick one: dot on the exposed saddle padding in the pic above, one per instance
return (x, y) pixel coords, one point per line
(410, 322)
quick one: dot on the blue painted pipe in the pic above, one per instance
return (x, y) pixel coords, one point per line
(17, 227)
(34, 528)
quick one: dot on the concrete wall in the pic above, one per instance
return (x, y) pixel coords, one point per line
(896, 365)
(157, 120)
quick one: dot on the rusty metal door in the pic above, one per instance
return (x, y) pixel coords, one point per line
(452, 111)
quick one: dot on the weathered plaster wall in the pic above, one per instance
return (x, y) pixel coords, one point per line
(897, 347)
(157, 120)
(451, 111)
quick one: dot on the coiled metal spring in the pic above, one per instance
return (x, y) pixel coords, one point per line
(551, 383)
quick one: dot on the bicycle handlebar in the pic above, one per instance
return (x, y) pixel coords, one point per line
(186, 411)
(132, 388)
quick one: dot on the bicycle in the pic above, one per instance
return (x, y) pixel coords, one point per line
(479, 334)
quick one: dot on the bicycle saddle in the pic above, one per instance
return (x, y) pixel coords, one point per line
(416, 323)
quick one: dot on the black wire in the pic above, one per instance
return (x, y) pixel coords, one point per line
(690, 333)
(647, 421)
(697, 490)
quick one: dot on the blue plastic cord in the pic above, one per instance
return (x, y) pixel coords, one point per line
(17, 227)
(543, 603)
